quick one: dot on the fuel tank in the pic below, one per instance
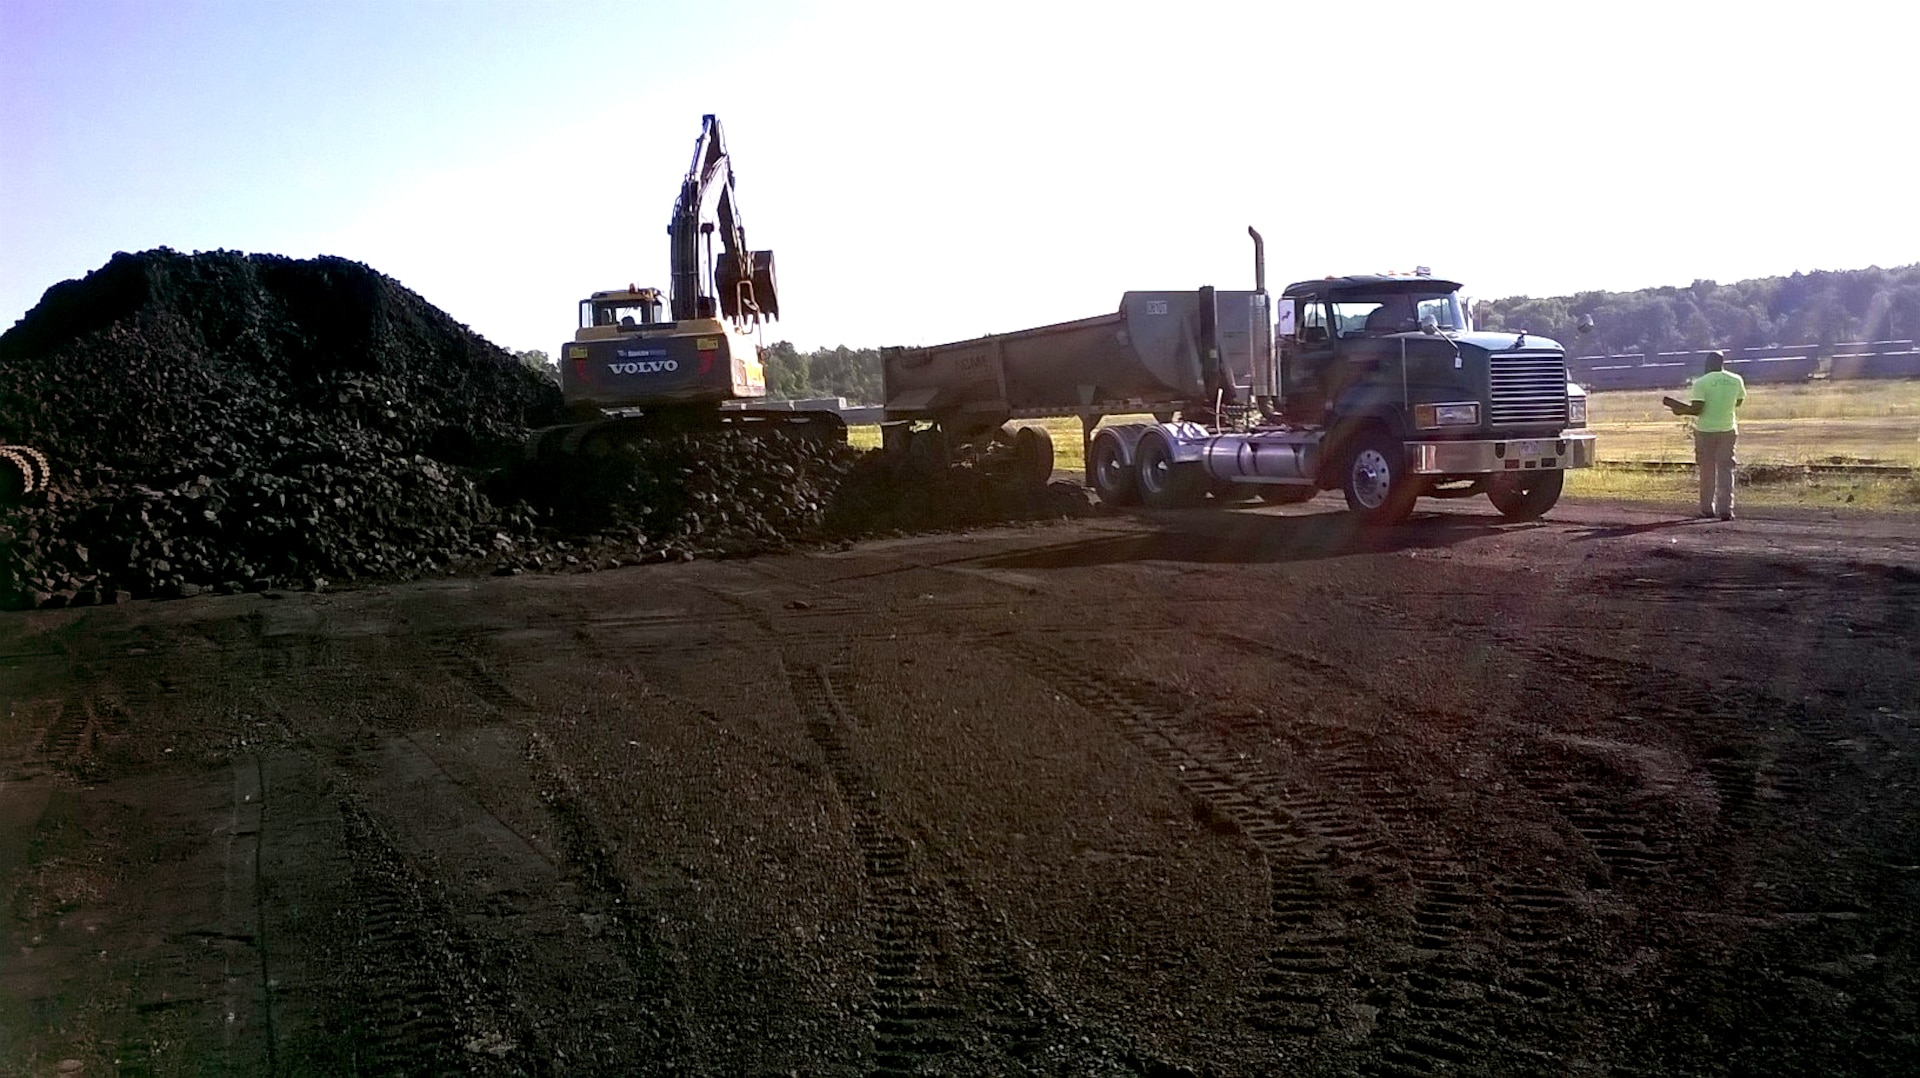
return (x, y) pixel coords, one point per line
(1261, 456)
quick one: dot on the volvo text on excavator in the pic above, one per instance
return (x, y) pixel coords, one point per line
(643, 364)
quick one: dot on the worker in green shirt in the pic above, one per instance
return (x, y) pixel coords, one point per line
(1716, 396)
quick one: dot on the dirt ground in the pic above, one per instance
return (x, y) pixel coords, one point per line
(1212, 793)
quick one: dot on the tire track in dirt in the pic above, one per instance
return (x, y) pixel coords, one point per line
(87, 726)
(1451, 1010)
(586, 849)
(1767, 761)
(437, 959)
(1614, 828)
(1757, 749)
(916, 1020)
(407, 958)
(1019, 1018)
(1300, 989)
(927, 1001)
(425, 997)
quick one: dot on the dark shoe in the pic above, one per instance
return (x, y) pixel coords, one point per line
(1726, 516)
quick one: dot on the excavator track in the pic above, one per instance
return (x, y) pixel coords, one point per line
(603, 436)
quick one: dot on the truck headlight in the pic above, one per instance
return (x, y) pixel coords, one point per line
(1466, 414)
(1577, 410)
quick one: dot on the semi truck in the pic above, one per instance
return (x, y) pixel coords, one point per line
(1378, 386)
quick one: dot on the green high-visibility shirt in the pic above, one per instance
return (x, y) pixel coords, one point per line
(1721, 392)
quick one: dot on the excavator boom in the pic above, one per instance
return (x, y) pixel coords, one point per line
(739, 280)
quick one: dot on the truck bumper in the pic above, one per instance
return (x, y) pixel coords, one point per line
(1572, 449)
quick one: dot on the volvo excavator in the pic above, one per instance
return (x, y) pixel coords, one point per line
(644, 364)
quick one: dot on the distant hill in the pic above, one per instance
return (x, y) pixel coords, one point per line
(1821, 309)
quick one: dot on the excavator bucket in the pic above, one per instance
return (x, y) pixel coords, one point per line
(748, 296)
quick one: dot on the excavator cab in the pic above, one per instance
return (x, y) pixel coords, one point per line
(623, 310)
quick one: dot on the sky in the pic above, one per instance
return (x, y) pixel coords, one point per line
(927, 173)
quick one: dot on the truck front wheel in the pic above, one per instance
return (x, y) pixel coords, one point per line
(1377, 483)
(1525, 495)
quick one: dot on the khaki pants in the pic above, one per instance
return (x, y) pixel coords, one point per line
(1713, 454)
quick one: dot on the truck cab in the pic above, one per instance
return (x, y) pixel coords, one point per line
(1395, 358)
(1333, 334)
(1378, 386)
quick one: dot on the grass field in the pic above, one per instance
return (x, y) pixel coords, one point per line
(1864, 422)
(1781, 427)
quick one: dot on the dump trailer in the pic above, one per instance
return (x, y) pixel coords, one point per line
(644, 362)
(1377, 386)
(1166, 353)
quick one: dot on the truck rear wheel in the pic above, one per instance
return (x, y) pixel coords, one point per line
(1165, 483)
(1111, 473)
(1525, 495)
(1376, 481)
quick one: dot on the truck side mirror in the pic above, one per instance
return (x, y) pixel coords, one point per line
(1585, 325)
(1429, 325)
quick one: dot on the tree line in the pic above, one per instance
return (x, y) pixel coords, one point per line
(853, 373)
(1821, 308)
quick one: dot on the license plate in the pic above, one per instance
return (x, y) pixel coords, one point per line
(1531, 450)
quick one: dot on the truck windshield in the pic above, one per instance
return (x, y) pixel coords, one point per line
(1397, 313)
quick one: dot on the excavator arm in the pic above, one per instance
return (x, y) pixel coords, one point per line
(739, 281)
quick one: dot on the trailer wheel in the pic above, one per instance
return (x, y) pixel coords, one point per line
(1164, 483)
(1111, 473)
(1525, 495)
(1376, 481)
(1033, 456)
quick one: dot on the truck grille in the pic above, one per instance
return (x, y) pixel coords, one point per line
(1528, 388)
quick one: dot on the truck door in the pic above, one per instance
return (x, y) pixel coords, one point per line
(1306, 356)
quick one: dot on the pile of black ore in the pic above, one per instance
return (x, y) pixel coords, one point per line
(889, 494)
(227, 420)
(736, 493)
(725, 492)
(223, 421)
